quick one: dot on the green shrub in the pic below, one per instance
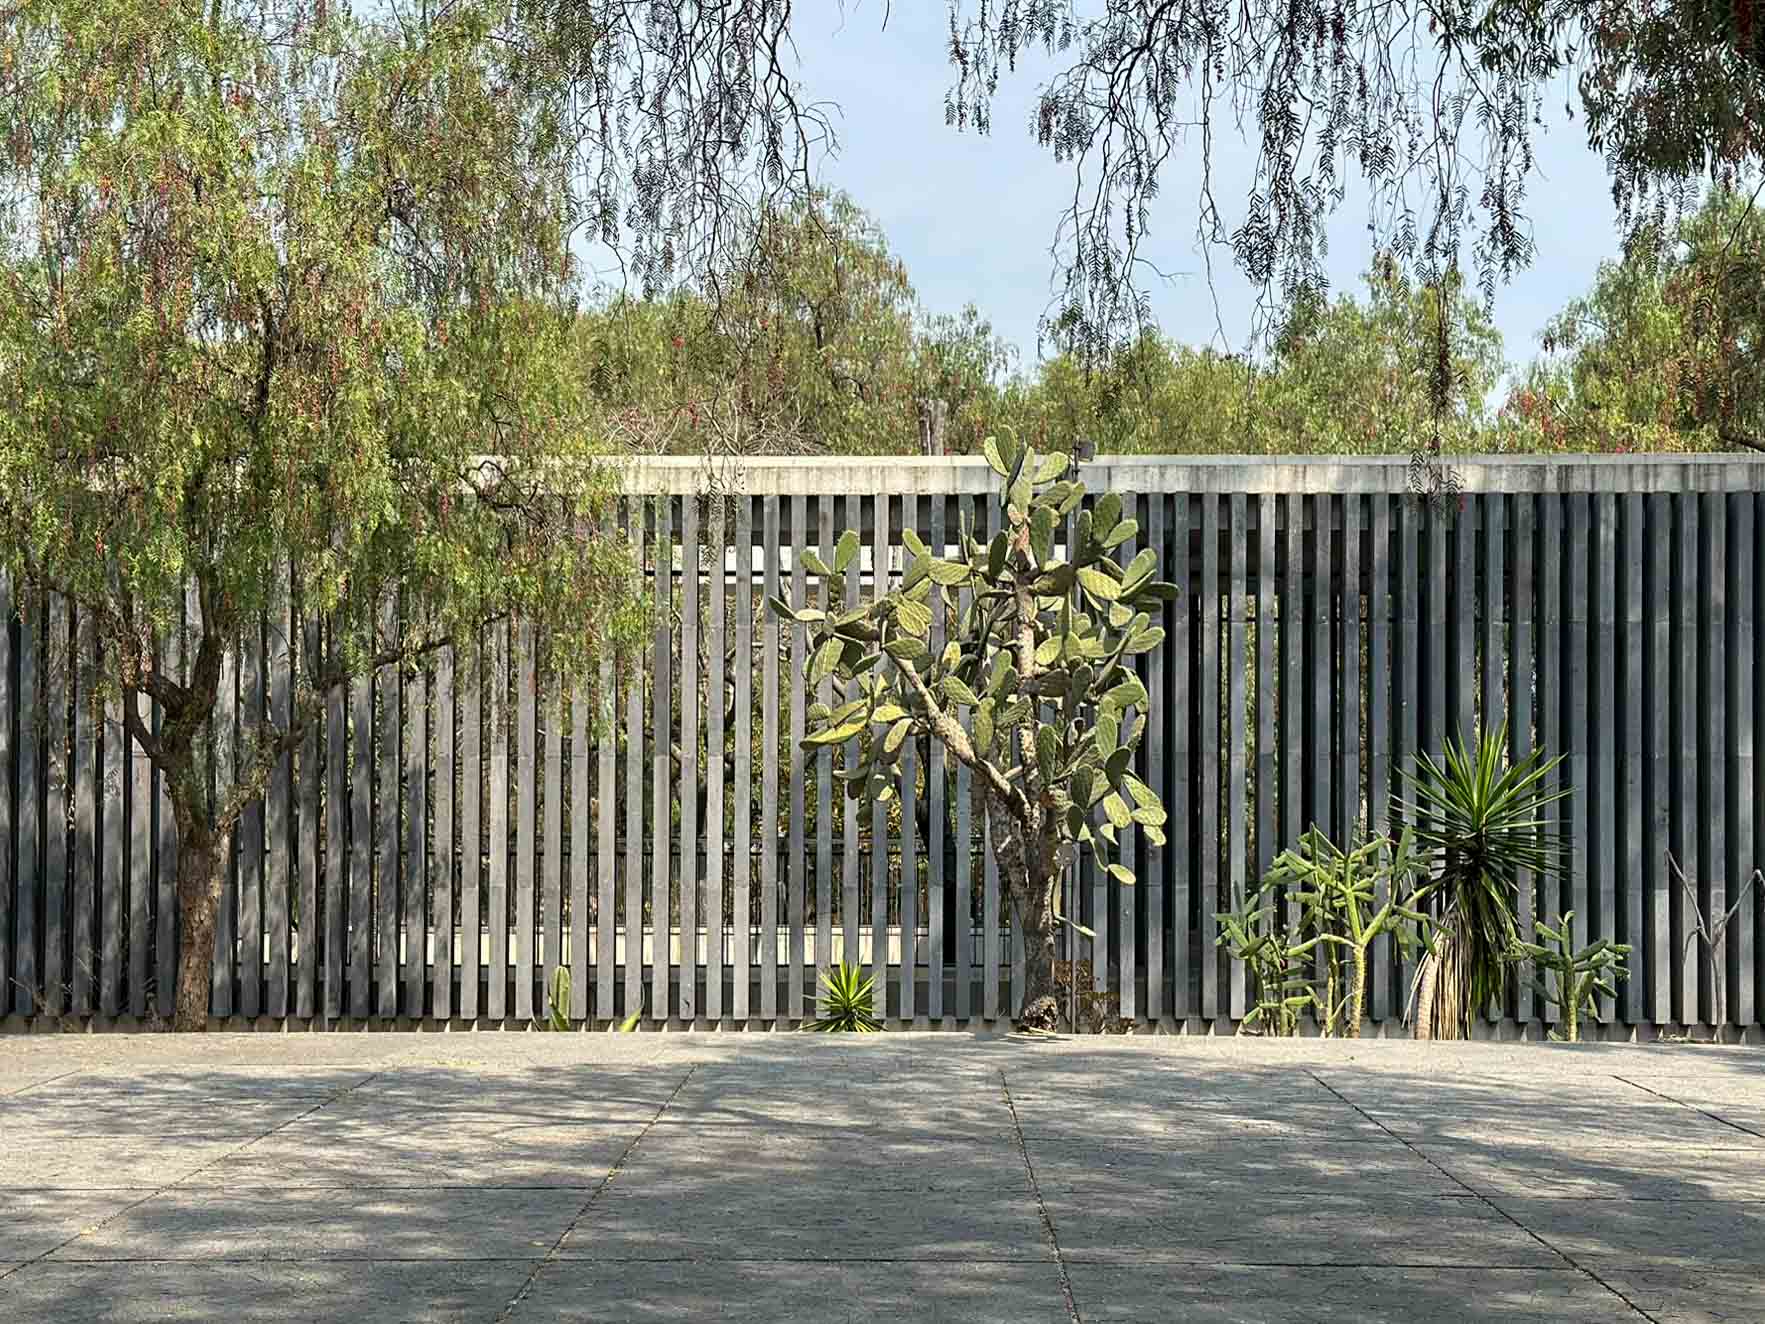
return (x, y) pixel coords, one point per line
(847, 994)
(1579, 975)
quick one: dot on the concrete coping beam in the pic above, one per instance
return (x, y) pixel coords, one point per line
(690, 475)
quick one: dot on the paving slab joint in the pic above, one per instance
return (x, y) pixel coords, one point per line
(197, 1171)
(7, 1094)
(1490, 1204)
(1714, 1117)
(619, 1163)
(1049, 1233)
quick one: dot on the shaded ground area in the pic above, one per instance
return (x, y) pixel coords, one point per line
(535, 1178)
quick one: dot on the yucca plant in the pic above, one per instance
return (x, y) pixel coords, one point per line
(1580, 975)
(1480, 817)
(846, 1002)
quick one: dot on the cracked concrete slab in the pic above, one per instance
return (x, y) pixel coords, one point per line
(101, 1162)
(1622, 1125)
(1273, 1227)
(437, 1153)
(1688, 1296)
(33, 1223)
(1231, 1167)
(898, 1161)
(1667, 1234)
(1676, 1172)
(830, 1218)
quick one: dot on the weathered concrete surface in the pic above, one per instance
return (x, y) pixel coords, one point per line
(786, 476)
(898, 1178)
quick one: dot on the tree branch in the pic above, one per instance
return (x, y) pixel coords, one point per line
(137, 728)
(956, 740)
(1729, 437)
(251, 786)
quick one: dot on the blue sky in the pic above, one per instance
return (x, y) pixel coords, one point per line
(973, 217)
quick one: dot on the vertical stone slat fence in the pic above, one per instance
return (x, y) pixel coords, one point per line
(443, 843)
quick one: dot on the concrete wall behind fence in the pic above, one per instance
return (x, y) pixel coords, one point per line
(444, 843)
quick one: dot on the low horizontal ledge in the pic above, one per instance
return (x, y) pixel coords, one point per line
(762, 476)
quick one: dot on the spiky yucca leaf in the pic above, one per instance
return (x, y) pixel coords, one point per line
(846, 1002)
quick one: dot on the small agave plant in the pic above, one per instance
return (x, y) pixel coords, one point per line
(846, 1002)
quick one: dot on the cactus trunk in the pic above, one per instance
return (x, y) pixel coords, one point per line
(1028, 875)
(1357, 996)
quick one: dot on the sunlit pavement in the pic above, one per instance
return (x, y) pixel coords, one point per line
(784, 1177)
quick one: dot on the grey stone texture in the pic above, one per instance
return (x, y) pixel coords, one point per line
(780, 1178)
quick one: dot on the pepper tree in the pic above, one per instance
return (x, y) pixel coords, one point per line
(284, 297)
(1034, 693)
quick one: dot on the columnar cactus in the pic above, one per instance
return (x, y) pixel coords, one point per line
(1038, 661)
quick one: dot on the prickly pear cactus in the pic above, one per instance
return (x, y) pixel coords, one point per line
(1034, 692)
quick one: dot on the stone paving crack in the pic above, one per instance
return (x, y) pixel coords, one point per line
(1744, 1130)
(551, 1255)
(1485, 1199)
(197, 1171)
(73, 1071)
(1048, 1229)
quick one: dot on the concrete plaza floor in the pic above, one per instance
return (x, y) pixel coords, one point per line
(529, 1178)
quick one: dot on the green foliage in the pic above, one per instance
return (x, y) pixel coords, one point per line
(1040, 621)
(1665, 352)
(557, 1013)
(275, 298)
(1578, 975)
(1317, 957)
(1438, 110)
(252, 317)
(1670, 93)
(1278, 961)
(813, 341)
(1342, 377)
(847, 1005)
(817, 342)
(557, 1016)
(1336, 892)
(1480, 818)
(1039, 628)
(822, 346)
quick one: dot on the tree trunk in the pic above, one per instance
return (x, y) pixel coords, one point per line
(1034, 909)
(1441, 1012)
(199, 894)
(1427, 980)
(1027, 874)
